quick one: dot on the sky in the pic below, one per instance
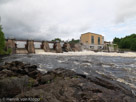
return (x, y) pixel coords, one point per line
(67, 19)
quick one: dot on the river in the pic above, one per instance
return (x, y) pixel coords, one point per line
(117, 68)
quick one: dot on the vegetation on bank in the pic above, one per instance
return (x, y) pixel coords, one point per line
(3, 50)
(57, 40)
(71, 41)
(74, 41)
(128, 42)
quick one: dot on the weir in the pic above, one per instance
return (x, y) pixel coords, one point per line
(31, 46)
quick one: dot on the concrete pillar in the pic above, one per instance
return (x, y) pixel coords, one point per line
(57, 47)
(66, 47)
(76, 47)
(10, 43)
(30, 46)
(45, 46)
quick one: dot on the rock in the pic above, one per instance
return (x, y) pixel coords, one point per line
(6, 73)
(59, 85)
(57, 47)
(12, 86)
(34, 74)
(66, 47)
(47, 78)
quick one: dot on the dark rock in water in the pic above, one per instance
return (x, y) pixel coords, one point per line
(59, 85)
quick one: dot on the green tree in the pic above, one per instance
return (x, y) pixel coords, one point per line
(116, 40)
(128, 42)
(2, 41)
(74, 41)
(133, 46)
(57, 40)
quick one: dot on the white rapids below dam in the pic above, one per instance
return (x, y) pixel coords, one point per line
(116, 66)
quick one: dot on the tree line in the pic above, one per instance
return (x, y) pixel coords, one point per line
(71, 41)
(128, 42)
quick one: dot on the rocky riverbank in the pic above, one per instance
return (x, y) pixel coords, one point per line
(23, 82)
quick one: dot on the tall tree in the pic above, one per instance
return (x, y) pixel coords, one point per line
(2, 41)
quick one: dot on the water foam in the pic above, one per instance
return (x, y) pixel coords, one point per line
(126, 54)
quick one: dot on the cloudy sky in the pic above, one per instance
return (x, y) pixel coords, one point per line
(67, 19)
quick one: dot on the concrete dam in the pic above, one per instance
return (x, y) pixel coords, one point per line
(31, 46)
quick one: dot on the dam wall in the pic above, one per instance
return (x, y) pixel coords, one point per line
(30, 46)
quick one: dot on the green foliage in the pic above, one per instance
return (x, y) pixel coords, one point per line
(2, 41)
(116, 41)
(57, 40)
(74, 41)
(2, 44)
(128, 42)
(133, 46)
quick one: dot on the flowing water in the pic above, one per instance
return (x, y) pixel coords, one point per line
(117, 68)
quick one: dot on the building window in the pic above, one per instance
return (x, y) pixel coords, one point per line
(92, 39)
(98, 40)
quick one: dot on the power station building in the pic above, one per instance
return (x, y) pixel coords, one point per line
(92, 41)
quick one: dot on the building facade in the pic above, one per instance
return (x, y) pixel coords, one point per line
(92, 41)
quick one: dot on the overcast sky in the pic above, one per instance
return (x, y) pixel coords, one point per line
(67, 19)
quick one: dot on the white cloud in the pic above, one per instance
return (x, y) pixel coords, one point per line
(67, 19)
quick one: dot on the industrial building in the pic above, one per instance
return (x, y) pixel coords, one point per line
(92, 41)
